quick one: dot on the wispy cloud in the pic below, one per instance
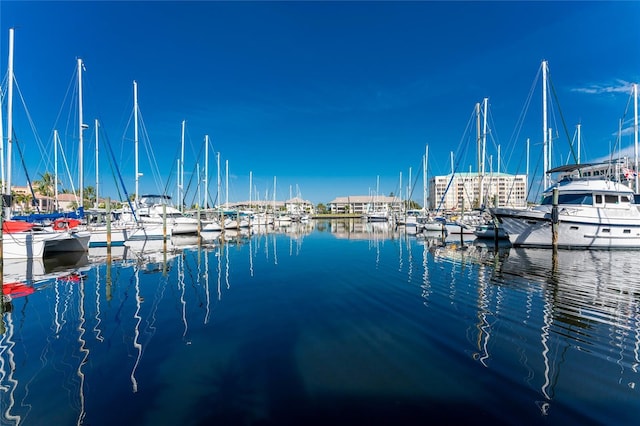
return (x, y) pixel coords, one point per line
(627, 152)
(619, 86)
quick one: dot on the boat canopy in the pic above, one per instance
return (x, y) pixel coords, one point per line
(48, 217)
(571, 167)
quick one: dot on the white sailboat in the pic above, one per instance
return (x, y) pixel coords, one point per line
(379, 213)
(21, 240)
(154, 213)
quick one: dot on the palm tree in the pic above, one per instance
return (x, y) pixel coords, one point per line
(44, 186)
(23, 200)
(90, 195)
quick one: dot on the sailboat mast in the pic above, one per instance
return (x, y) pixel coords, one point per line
(135, 137)
(404, 207)
(9, 118)
(218, 178)
(485, 104)
(485, 107)
(55, 168)
(480, 153)
(452, 167)
(97, 174)
(635, 131)
(226, 185)
(545, 130)
(181, 185)
(81, 127)
(250, 187)
(205, 202)
(424, 178)
(409, 196)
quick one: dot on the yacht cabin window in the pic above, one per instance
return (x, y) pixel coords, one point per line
(581, 198)
(611, 199)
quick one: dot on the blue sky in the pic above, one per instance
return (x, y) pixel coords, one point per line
(328, 97)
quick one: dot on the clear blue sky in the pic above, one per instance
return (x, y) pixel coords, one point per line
(325, 96)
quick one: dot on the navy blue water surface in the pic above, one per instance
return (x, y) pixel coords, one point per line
(330, 322)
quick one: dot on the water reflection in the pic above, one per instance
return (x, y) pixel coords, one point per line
(235, 329)
(588, 297)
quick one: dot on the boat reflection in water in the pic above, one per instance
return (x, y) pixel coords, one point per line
(588, 297)
(21, 277)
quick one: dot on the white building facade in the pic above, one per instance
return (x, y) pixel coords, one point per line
(450, 192)
(363, 204)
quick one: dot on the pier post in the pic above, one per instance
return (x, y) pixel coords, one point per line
(108, 214)
(199, 219)
(461, 221)
(164, 227)
(554, 219)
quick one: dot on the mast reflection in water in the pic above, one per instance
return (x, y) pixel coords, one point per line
(327, 322)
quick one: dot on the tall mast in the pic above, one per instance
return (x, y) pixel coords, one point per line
(635, 131)
(401, 191)
(409, 197)
(545, 130)
(81, 127)
(250, 187)
(479, 153)
(219, 183)
(424, 178)
(226, 185)
(181, 176)
(135, 137)
(579, 137)
(205, 202)
(484, 148)
(485, 107)
(97, 174)
(55, 168)
(452, 167)
(9, 118)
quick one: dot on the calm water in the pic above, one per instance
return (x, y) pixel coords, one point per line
(329, 323)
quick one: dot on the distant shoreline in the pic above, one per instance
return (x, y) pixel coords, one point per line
(337, 216)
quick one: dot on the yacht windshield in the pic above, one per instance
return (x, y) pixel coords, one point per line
(584, 198)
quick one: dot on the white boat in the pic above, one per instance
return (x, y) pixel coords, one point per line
(591, 213)
(378, 215)
(153, 212)
(68, 241)
(458, 227)
(410, 218)
(489, 230)
(210, 225)
(283, 219)
(431, 224)
(118, 234)
(261, 219)
(27, 241)
(22, 240)
(25, 244)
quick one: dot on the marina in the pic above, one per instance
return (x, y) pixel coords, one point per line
(321, 322)
(494, 282)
